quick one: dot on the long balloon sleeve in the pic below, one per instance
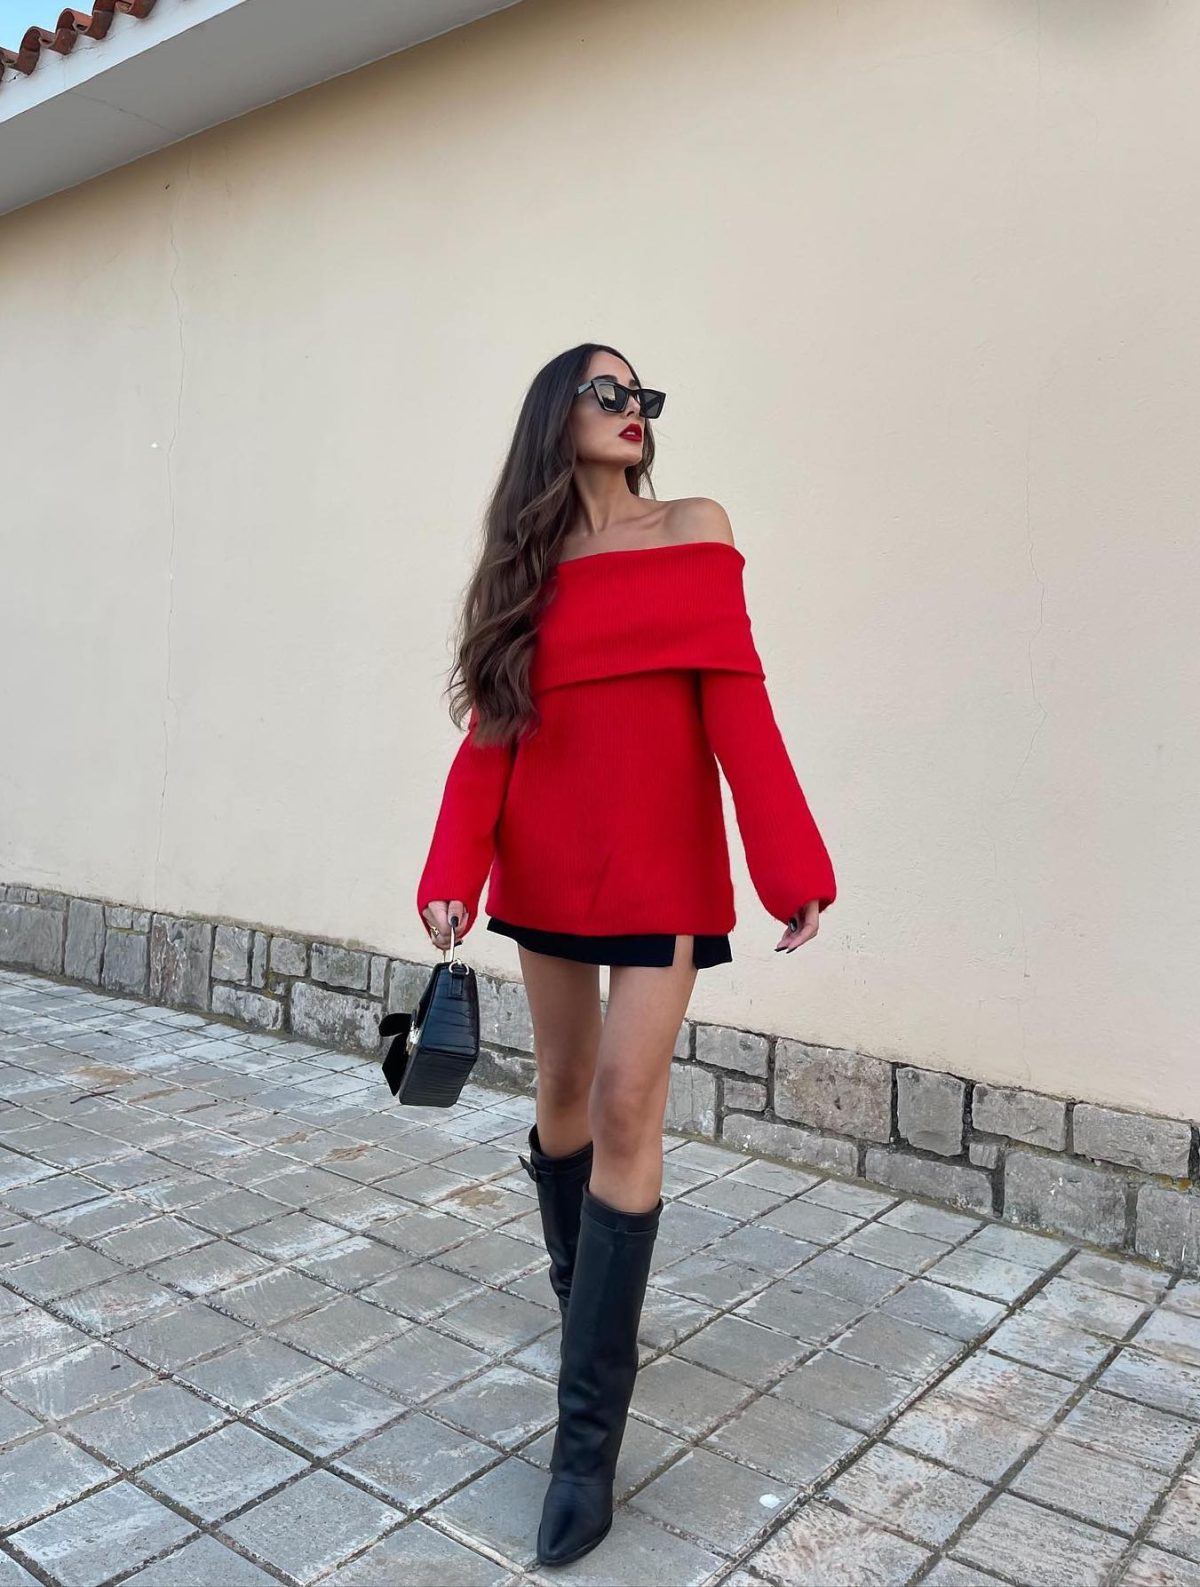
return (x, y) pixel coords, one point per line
(463, 844)
(785, 853)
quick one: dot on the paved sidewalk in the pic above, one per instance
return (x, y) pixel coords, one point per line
(258, 1323)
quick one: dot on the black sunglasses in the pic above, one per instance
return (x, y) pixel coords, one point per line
(613, 397)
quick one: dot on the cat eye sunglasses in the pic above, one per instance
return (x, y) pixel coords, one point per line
(613, 396)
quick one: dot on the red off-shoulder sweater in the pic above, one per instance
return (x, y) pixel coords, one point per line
(608, 817)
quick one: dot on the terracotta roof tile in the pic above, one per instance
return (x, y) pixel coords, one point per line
(71, 25)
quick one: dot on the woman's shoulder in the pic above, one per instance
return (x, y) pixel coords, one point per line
(698, 518)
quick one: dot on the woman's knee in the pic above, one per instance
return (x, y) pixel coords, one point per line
(564, 1077)
(625, 1112)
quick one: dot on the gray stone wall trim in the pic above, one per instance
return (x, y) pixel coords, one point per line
(1117, 1178)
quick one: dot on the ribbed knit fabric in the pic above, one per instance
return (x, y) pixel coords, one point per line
(608, 818)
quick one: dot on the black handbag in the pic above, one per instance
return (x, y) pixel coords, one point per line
(433, 1049)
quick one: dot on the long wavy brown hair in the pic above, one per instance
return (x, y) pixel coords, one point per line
(531, 510)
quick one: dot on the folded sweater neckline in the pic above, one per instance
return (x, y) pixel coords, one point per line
(634, 551)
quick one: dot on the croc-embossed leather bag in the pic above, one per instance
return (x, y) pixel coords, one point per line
(433, 1050)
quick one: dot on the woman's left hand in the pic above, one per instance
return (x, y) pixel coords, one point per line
(802, 925)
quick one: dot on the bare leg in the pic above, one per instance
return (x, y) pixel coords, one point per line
(564, 1002)
(646, 1007)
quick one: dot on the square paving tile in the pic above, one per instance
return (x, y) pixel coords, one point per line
(95, 1538)
(291, 1235)
(144, 1424)
(951, 1311)
(1087, 1306)
(993, 1276)
(416, 1461)
(75, 1382)
(1154, 1380)
(312, 1525)
(502, 1405)
(667, 1318)
(824, 1547)
(213, 1266)
(771, 1176)
(42, 1474)
(1008, 1388)
(1017, 1245)
(925, 1502)
(1177, 1526)
(837, 1272)
(1121, 1427)
(491, 1257)
(347, 1327)
(847, 1197)
(223, 1471)
(1051, 1346)
(1135, 1279)
(969, 1438)
(1113, 1493)
(201, 1563)
(1150, 1567)
(1172, 1333)
(250, 1373)
(897, 1346)
(329, 1413)
(735, 1197)
(807, 1220)
(417, 1364)
(1039, 1547)
(848, 1391)
(710, 1280)
(687, 1229)
(176, 1338)
(421, 1291)
(1184, 1295)
(151, 1242)
(270, 1297)
(763, 1249)
(723, 1504)
(499, 1510)
(498, 1320)
(118, 1303)
(892, 1247)
(808, 1315)
(354, 1262)
(48, 1277)
(786, 1441)
(420, 1556)
(742, 1349)
(684, 1398)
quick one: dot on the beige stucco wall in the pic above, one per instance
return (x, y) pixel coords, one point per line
(920, 279)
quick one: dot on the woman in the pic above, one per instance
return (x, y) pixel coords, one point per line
(608, 663)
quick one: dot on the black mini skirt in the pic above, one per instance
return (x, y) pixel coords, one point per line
(655, 949)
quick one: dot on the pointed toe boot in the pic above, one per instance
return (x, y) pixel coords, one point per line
(596, 1376)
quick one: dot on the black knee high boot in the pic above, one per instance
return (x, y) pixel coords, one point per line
(596, 1377)
(559, 1182)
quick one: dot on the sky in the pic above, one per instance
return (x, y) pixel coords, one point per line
(17, 15)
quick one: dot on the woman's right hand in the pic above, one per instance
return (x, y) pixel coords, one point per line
(437, 915)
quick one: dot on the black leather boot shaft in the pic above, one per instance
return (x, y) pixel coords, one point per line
(559, 1182)
(597, 1375)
